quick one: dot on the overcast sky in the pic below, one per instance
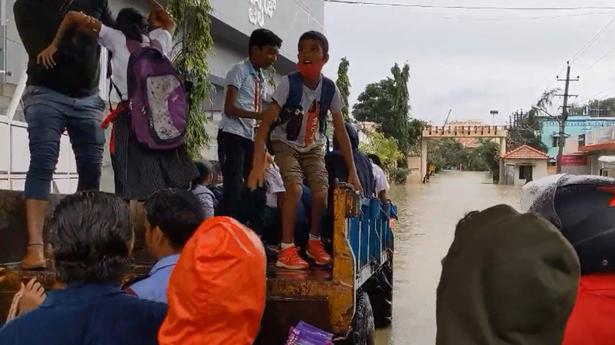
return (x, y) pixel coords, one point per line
(474, 61)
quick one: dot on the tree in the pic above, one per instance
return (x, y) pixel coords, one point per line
(489, 153)
(383, 147)
(343, 84)
(193, 22)
(387, 104)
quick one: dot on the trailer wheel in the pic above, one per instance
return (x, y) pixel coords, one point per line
(381, 297)
(363, 331)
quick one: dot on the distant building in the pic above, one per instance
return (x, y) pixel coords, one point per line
(522, 165)
(575, 126)
(598, 146)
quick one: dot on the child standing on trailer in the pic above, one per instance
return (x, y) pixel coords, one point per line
(302, 102)
(139, 170)
(245, 91)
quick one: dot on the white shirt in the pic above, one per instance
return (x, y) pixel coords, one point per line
(381, 179)
(115, 41)
(275, 185)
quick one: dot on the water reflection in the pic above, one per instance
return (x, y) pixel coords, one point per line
(428, 214)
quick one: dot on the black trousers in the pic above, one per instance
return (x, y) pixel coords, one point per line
(235, 156)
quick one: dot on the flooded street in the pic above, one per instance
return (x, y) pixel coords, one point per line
(428, 215)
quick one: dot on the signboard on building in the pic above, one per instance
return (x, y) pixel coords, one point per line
(573, 160)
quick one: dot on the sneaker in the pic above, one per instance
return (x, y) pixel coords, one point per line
(316, 251)
(289, 258)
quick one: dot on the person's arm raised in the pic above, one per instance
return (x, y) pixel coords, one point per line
(77, 20)
(159, 16)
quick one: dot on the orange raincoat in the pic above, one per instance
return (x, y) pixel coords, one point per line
(217, 289)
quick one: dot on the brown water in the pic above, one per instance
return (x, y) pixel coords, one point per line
(428, 215)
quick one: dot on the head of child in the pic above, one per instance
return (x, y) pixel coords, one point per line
(375, 159)
(92, 238)
(263, 48)
(132, 24)
(172, 216)
(313, 55)
(205, 176)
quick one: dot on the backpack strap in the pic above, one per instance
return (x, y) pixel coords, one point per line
(295, 91)
(326, 97)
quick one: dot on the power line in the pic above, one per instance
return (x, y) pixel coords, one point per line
(458, 7)
(593, 40)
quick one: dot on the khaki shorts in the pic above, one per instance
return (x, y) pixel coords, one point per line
(295, 165)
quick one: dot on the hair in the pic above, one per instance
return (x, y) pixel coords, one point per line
(92, 235)
(176, 212)
(132, 24)
(205, 170)
(263, 37)
(375, 159)
(315, 35)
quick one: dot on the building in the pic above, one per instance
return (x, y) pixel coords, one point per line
(522, 165)
(598, 146)
(575, 126)
(232, 23)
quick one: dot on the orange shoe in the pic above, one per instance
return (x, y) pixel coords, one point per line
(316, 250)
(289, 258)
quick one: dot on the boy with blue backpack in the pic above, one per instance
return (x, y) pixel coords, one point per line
(298, 114)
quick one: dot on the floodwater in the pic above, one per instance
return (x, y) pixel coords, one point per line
(428, 214)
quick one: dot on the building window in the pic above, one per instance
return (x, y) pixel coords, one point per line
(554, 142)
(525, 172)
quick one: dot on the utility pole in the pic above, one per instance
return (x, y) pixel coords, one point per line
(562, 120)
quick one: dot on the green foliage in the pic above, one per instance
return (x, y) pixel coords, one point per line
(387, 103)
(451, 154)
(400, 175)
(195, 42)
(383, 147)
(343, 84)
(525, 130)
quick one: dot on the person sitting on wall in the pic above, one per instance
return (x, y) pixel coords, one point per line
(92, 238)
(173, 215)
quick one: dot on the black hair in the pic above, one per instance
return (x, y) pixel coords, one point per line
(375, 159)
(315, 35)
(176, 212)
(91, 234)
(205, 170)
(132, 24)
(263, 37)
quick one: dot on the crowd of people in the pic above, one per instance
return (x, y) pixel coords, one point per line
(207, 223)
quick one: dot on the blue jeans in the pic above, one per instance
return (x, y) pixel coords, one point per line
(48, 114)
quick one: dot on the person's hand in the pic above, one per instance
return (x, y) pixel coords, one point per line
(257, 174)
(32, 296)
(353, 179)
(45, 58)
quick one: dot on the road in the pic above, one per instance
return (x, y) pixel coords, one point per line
(428, 215)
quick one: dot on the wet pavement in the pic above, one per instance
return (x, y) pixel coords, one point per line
(428, 215)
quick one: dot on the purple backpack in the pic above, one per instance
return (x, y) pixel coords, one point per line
(158, 99)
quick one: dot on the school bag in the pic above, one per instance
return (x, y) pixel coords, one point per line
(292, 111)
(157, 97)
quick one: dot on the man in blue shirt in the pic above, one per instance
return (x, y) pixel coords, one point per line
(92, 239)
(172, 216)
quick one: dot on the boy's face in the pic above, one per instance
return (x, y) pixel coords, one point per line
(311, 52)
(264, 56)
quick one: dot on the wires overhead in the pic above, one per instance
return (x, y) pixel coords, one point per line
(593, 40)
(470, 8)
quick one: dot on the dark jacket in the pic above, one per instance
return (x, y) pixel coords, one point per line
(508, 279)
(87, 314)
(336, 166)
